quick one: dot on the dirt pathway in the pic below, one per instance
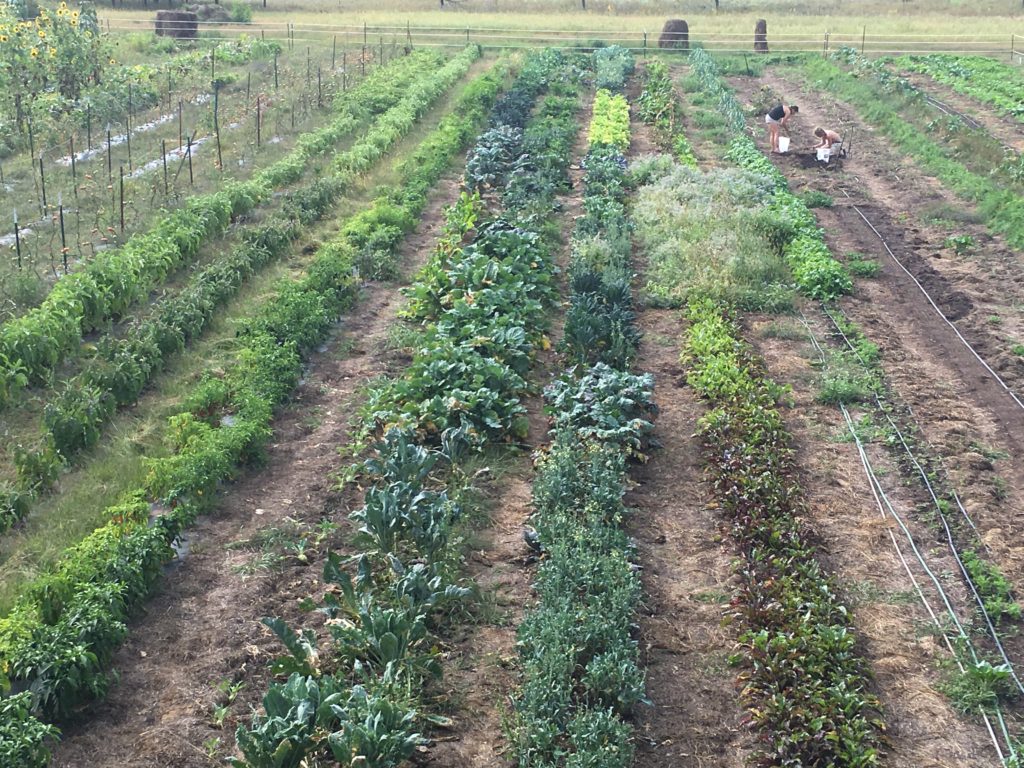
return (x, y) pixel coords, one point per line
(923, 730)
(962, 412)
(204, 626)
(695, 716)
(1003, 127)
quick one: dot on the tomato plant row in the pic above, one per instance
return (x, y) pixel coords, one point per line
(122, 367)
(33, 345)
(360, 702)
(57, 642)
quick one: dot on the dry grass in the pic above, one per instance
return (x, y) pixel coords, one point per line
(785, 18)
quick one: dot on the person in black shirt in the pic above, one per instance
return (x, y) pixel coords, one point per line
(776, 119)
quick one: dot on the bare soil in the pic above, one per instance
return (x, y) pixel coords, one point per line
(963, 414)
(893, 627)
(694, 718)
(204, 625)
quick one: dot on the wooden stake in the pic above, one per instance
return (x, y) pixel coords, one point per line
(121, 169)
(63, 238)
(42, 180)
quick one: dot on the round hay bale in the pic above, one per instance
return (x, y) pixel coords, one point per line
(761, 36)
(675, 34)
(179, 24)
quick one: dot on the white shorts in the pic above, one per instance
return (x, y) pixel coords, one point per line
(769, 119)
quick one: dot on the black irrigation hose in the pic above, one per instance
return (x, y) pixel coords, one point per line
(935, 306)
(948, 110)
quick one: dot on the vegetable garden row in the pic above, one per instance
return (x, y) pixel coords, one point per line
(360, 683)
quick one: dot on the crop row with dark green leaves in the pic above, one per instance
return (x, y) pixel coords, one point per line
(358, 701)
(804, 681)
(34, 344)
(581, 677)
(122, 367)
(987, 80)
(58, 640)
(885, 100)
(600, 323)
(817, 274)
(659, 107)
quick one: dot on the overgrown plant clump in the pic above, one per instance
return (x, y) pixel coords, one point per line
(358, 700)
(819, 712)
(711, 233)
(658, 106)
(74, 616)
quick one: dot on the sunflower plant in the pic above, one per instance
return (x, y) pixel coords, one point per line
(57, 52)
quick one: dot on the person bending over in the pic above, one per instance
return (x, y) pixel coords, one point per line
(826, 138)
(776, 120)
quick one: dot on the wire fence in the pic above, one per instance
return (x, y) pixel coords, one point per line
(639, 40)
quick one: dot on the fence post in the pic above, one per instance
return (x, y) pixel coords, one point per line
(122, 198)
(645, 43)
(17, 237)
(334, 54)
(74, 169)
(188, 152)
(63, 237)
(863, 37)
(42, 180)
(163, 154)
(1013, 39)
(275, 71)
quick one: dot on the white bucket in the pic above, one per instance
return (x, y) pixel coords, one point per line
(783, 143)
(824, 153)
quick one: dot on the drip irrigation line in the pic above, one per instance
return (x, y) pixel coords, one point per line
(882, 501)
(935, 306)
(899, 433)
(945, 523)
